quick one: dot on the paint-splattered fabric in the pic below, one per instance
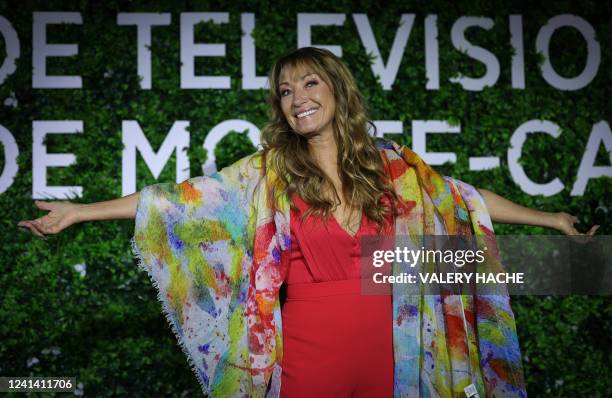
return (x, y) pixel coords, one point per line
(216, 249)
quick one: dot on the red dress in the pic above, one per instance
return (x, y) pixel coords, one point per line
(336, 341)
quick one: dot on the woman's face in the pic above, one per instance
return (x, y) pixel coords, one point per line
(307, 101)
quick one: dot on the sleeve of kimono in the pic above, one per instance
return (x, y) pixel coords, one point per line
(191, 239)
(474, 202)
(498, 346)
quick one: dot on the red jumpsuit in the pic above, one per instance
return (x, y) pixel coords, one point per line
(336, 342)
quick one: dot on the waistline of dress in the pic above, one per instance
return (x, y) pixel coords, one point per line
(328, 288)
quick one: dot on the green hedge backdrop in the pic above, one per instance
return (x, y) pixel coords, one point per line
(76, 304)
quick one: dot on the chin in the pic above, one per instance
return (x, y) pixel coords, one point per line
(307, 133)
(302, 131)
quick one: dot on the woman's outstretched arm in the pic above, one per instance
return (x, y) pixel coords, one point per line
(504, 211)
(63, 214)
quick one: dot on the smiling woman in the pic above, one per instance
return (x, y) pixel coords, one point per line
(218, 249)
(319, 128)
(308, 101)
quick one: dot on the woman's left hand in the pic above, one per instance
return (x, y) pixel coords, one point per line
(564, 222)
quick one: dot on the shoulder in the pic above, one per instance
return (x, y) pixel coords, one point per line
(383, 144)
(394, 151)
(387, 148)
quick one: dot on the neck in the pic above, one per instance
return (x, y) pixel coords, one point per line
(324, 150)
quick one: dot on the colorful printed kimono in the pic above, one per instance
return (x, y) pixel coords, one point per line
(216, 249)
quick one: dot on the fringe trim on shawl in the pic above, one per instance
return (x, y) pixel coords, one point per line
(141, 264)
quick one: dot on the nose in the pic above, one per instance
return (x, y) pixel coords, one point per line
(299, 97)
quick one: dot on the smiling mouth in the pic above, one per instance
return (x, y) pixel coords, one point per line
(307, 113)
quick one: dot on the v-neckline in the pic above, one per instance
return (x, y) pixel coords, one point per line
(344, 230)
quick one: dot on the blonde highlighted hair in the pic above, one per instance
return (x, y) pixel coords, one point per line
(361, 170)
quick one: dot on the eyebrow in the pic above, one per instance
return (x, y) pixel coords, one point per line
(307, 74)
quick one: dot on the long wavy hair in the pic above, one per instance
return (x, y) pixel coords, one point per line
(361, 170)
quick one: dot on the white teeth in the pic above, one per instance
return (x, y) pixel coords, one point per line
(308, 112)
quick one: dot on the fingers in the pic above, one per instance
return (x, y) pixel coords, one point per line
(590, 232)
(586, 237)
(45, 225)
(593, 229)
(574, 231)
(33, 227)
(42, 205)
(39, 227)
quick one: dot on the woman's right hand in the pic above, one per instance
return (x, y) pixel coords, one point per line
(61, 215)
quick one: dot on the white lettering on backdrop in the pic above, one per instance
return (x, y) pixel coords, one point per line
(41, 50)
(386, 72)
(41, 159)
(134, 140)
(144, 21)
(177, 140)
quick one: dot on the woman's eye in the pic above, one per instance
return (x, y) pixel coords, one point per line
(286, 92)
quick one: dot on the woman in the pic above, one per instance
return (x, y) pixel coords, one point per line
(219, 248)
